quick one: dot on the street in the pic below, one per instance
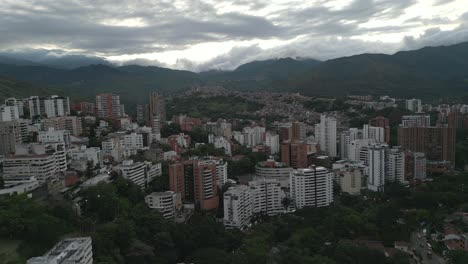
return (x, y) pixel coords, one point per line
(419, 243)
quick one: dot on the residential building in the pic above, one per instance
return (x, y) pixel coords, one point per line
(108, 106)
(376, 179)
(179, 142)
(167, 203)
(220, 142)
(383, 122)
(112, 147)
(34, 106)
(157, 107)
(325, 133)
(272, 141)
(357, 150)
(16, 103)
(71, 124)
(85, 107)
(311, 187)
(41, 166)
(142, 114)
(346, 138)
(271, 169)
(350, 178)
(395, 165)
(267, 196)
(196, 181)
(221, 171)
(133, 140)
(298, 130)
(294, 154)
(52, 136)
(80, 156)
(9, 137)
(416, 120)
(140, 173)
(420, 164)
(375, 133)
(50, 106)
(9, 113)
(238, 207)
(438, 143)
(414, 105)
(68, 251)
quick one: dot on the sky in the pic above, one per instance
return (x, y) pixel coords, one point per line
(216, 34)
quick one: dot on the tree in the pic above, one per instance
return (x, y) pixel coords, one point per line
(89, 169)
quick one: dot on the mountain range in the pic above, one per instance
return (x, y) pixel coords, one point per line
(428, 72)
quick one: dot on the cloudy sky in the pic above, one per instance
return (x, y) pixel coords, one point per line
(218, 34)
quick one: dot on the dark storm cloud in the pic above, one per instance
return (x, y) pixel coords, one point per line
(118, 27)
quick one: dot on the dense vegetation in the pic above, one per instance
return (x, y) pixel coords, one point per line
(212, 107)
(124, 230)
(20, 89)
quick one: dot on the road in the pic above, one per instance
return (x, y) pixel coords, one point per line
(418, 239)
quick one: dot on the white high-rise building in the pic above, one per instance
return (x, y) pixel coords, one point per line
(271, 169)
(325, 133)
(311, 187)
(112, 147)
(259, 134)
(221, 172)
(272, 141)
(355, 148)
(376, 179)
(414, 105)
(42, 161)
(239, 137)
(167, 203)
(250, 139)
(56, 106)
(375, 133)
(70, 123)
(68, 251)
(16, 103)
(238, 207)
(51, 106)
(140, 173)
(267, 196)
(345, 141)
(52, 136)
(81, 155)
(9, 113)
(395, 165)
(133, 140)
(220, 142)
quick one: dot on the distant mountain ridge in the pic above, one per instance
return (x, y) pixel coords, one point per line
(432, 71)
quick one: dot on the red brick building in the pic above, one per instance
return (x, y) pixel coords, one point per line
(294, 154)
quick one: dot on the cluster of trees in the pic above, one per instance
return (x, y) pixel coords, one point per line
(213, 107)
(124, 230)
(246, 164)
(327, 105)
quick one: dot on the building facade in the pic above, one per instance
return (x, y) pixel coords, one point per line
(311, 187)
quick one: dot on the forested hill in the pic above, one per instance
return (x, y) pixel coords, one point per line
(428, 72)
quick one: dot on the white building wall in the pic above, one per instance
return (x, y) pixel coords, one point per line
(376, 179)
(311, 187)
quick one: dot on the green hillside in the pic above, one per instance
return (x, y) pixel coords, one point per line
(21, 89)
(426, 72)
